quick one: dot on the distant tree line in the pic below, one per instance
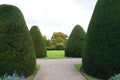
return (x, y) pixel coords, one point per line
(57, 41)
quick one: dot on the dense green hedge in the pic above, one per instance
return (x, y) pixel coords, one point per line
(38, 41)
(101, 53)
(75, 42)
(16, 47)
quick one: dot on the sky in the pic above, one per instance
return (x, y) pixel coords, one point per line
(55, 15)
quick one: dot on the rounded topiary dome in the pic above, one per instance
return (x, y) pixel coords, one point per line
(16, 48)
(101, 53)
(75, 42)
(38, 41)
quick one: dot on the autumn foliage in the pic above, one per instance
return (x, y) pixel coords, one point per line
(57, 41)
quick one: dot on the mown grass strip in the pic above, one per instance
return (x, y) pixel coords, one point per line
(78, 66)
(55, 54)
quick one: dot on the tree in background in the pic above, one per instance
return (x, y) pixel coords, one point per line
(101, 55)
(38, 41)
(47, 43)
(16, 48)
(75, 42)
(58, 40)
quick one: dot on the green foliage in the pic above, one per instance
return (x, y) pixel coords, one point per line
(101, 53)
(16, 47)
(31, 77)
(116, 77)
(47, 43)
(75, 42)
(58, 41)
(60, 47)
(38, 41)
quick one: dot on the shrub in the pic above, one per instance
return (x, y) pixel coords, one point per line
(59, 47)
(75, 42)
(101, 53)
(38, 41)
(116, 77)
(16, 47)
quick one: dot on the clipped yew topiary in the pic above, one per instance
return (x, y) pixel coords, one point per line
(38, 41)
(101, 53)
(16, 48)
(75, 42)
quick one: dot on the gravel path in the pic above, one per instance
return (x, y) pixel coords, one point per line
(58, 69)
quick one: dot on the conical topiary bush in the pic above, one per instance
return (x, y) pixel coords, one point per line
(75, 42)
(101, 53)
(16, 48)
(38, 41)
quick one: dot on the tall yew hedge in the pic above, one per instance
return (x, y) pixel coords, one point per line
(16, 48)
(75, 42)
(101, 55)
(38, 41)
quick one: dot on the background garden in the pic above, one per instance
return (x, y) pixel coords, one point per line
(99, 48)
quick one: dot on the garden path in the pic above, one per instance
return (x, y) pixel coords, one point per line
(58, 69)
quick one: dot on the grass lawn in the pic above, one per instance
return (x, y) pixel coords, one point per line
(55, 54)
(78, 66)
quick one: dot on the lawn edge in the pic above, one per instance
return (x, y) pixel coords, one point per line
(79, 68)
